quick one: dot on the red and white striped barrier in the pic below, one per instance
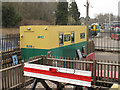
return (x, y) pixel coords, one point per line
(71, 76)
(90, 57)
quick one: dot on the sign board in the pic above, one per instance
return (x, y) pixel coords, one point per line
(15, 60)
(79, 53)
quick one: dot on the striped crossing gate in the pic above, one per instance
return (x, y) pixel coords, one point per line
(90, 57)
(71, 76)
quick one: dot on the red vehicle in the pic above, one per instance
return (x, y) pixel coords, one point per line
(115, 34)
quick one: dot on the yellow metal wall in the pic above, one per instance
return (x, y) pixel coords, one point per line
(51, 35)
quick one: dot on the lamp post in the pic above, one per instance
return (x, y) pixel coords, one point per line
(87, 15)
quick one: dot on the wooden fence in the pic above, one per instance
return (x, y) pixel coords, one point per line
(103, 73)
(90, 46)
(13, 77)
(7, 57)
(107, 72)
(10, 42)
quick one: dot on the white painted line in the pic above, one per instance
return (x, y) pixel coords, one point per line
(63, 70)
(59, 79)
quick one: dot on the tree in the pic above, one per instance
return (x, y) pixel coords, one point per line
(62, 13)
(9, 17)
(104, 18)
(73, 11)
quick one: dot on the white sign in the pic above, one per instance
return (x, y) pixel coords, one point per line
(79, 53)
(15, 60)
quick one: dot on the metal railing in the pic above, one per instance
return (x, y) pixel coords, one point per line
(104, 41)
(9, 42)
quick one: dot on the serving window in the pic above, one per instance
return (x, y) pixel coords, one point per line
(66, 38)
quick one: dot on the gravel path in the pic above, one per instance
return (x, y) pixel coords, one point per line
(51, 85)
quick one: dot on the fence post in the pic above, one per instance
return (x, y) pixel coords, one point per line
(93, 46)
(44, 59)
(94, 72)
(119, 72)
(49, 54)
(23, 78)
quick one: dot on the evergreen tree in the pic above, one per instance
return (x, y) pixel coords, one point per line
(9, 17)
(62, 13)
(73, 11)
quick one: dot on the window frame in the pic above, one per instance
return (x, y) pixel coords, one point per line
(69, 38)
(73, 37)
(60, 44)
(82, 36)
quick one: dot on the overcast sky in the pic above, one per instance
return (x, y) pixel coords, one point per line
(99, 6)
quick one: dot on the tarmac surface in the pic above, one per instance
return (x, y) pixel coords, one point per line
(107, 56)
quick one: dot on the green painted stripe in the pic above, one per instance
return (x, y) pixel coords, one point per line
(63, 51)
